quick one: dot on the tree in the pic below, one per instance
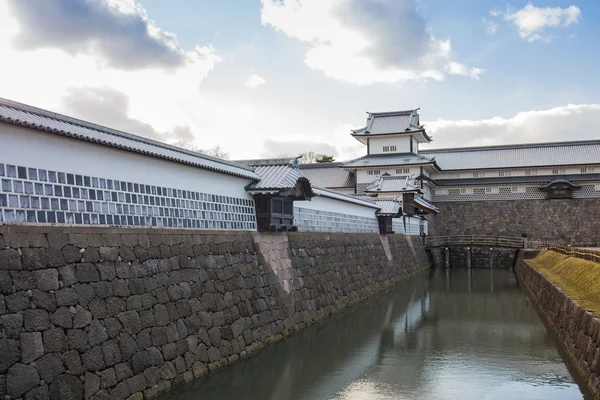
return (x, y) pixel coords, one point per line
(322, 158)
(216, 151)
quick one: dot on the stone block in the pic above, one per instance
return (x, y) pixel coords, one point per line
(10, 259)
(12, 325)
(98, 308)
(97, 333)
(66, 274)
(17, 302)
(20, 379)
(82, 317)
(120, 288)
(62, 317)
(108, 378)
(54, 340)
(77, 339)
(57, 240)
(85, 293)
(35, 320)
(49, 367)
(140, 361)
(44, 300)
(46, 279)
(91, 255)
(66, 297)
(86, 272)
(10, 354)
(72, 362)
(39, 393)
(123, 371)
(159, 336)
(34, 259)
(168, 371)
(169, 351)
(107, 270)
(66, 387)
(113, 327)
(6, 284)
(93, 359)
(103, 289)
(91, 385)
(112, 352)
(130, 321)
(22, 280)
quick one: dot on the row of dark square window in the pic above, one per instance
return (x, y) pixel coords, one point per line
(42, 175)
(224, 212)
(92, 194)
(76, 218)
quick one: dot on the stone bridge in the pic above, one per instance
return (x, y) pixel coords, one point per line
(477, 251)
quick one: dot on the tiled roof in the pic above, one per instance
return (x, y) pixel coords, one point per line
(425, 204)
(328, 175)
(275, 177)
(35, 118)
(516, 179)
(387, 183)
(386, 123)
(387, 206)
(517, 156)
(344, 197)
(380, 160)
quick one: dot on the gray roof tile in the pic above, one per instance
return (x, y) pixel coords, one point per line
(329, 175)
(517, 156)
(23, 115)
(275, 177)
(381, 160)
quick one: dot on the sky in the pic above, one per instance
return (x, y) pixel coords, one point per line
(267, 78)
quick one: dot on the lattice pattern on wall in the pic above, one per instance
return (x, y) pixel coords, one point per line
(360, 187)
(587, 191)
(39, 196)
(307, 219)
(516, 192)
(409, 226)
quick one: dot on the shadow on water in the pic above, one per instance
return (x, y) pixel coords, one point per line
(466, 334)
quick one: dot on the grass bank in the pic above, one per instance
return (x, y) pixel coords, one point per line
(579, 279)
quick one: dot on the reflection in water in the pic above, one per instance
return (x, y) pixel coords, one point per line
(460, 334)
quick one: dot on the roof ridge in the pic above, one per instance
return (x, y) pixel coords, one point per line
(101, 128)
(393, 113)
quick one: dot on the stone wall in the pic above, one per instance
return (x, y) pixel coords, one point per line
(577, 329)
(116, 313)
(575, 221)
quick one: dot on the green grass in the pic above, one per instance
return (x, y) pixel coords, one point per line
(580, 279)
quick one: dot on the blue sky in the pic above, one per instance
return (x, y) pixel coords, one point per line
(271, 77)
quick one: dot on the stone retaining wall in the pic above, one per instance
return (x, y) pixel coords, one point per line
(118, 313)
(577, 329)
(574, 221)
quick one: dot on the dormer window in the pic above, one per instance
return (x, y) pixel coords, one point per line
(374, 172)
(389, 148)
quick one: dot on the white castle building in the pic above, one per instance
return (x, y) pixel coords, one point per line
(60, 170)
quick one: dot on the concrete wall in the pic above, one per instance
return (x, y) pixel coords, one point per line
(577, 329)
(575, 221)
(106, 313)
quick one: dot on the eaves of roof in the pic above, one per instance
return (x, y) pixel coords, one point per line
(344, 197)
(516, 179)
(15, 113)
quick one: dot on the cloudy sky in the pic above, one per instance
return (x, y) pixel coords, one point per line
(274, 77)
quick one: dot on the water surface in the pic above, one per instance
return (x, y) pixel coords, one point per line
(458, 334)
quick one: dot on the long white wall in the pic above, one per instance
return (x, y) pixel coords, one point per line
(326, 214)
(409, 225)
(36, 149)
(67, 181)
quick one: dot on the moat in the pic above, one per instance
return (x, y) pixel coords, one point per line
(444, 334)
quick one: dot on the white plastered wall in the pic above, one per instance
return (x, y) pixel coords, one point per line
(35, 149)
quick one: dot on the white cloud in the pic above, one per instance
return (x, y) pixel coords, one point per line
(362, 41)
(254, 81)
(490, 26)
(52, 76)
(570, 122)
(454, 68)
(531, 21)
